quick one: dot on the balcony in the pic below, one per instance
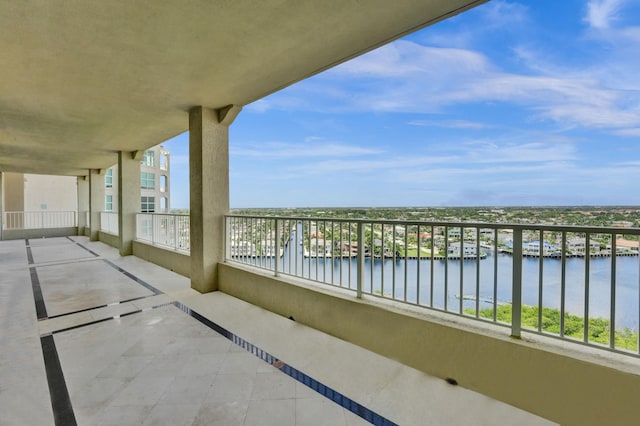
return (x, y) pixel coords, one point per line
(123, 341)
(362, 270)
(96, 335)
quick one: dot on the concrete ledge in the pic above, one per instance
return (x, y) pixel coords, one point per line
(531, 375)
(110, 239)
(19, 234)
(167, 258)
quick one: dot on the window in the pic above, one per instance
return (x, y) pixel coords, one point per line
(149, 159)
(147, 204)
(108, 178)
(164, 160)
(147, 180)
(108, 203)
(163, 204)
(163, 183)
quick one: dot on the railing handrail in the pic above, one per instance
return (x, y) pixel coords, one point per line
(164, 230)
(39, 219)
(164, 214)
(461, 224)
(396, 251)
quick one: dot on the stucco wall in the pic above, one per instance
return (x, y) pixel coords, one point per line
(19, 234)
(110, 239)
(169, 259)
(529, 375)
(53, 193)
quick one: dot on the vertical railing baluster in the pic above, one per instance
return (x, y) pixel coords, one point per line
(612, 323)
(563, 281)
(154, 229)
(406, 265)
(227, 240)
(540, 283)
(278, 245)
(372, 253)
(382, 258)
(587, 272)
(341, 250)
(516, 291)
(360, 259)
(418, 267)
(431, 272)
(495, 274)
(393, 266)
(461, 289)
(446, 267)
(478, 253)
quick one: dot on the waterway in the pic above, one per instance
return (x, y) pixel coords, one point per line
(416, 281)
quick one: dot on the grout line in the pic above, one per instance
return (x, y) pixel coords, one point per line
(65, 261)
(29, 253)
(120, 302)
(327, 392)
(98, 321)
(86, 248)
(134, 278)
(41, 309)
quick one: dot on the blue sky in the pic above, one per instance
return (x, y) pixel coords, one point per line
(514, 103)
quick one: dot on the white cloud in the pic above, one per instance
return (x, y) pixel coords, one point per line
(407, 77)
(311, 148)
(261, 105)
(450, 124)
(600, 13)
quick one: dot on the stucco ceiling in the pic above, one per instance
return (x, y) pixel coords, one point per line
(81, 80)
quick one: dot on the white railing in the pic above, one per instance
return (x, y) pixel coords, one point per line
(39, 219)
(164, 230)
(584, 288)
(109, 222)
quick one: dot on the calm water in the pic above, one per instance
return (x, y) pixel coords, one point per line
(411, 280)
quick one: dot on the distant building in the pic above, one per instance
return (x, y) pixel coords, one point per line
(154, 183)
(30, 192)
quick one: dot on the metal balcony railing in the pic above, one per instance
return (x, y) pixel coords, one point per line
(109, 222)
(164, 230)
(39, 219)
(580, 284)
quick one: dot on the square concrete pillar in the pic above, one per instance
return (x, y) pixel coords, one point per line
(128, 198)
(209, 191)
(96, 202)
(83, 203)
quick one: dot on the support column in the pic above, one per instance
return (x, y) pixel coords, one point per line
(209, 191)
(96, 202)
(128, 198)
(83, 203)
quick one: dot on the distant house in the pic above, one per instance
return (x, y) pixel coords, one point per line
(469, 249)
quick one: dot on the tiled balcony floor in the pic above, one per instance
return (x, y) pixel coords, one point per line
(135, 346)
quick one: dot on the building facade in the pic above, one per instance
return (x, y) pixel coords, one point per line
(154, 183)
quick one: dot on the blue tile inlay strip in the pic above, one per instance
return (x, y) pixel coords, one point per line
(340, 399)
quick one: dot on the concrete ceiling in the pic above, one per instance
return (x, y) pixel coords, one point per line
(81, 80)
